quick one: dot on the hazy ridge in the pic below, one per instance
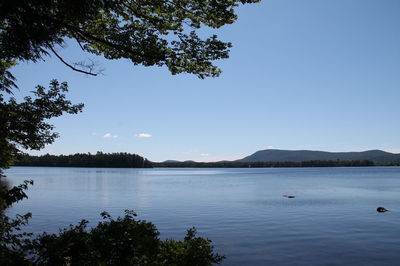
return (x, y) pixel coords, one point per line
(274, 155)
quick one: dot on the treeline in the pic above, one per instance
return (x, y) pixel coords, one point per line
(128, 160)
(100, 159)
(389, 164)
(314, 163)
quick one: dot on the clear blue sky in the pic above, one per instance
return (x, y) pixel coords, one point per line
(310, 74)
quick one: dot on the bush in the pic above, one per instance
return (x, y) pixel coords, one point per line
(124, 241)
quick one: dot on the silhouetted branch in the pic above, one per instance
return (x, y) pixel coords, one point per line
(69, 65)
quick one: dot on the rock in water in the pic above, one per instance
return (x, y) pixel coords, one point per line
(381, 209)
(289, 196)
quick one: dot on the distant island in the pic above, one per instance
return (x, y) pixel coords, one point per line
(263, 158)
(99, 159)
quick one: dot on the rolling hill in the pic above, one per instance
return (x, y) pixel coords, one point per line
(274, 155)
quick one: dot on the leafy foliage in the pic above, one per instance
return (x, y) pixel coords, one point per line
(7, 80)
(14, 244)
(25, 124)
(124, 241)
(15, 194)
(147, 32)
(121, 241)
(191, 251)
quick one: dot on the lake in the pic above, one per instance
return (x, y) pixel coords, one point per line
(331, 221)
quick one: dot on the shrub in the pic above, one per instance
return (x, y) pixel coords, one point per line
(123, 241)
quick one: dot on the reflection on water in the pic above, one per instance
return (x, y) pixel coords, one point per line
(331, 221)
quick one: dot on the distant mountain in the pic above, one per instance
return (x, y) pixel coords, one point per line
(176, 161)
(171, 161)
(273, 155)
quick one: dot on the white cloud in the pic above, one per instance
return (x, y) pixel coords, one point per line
(110, 136)
(143, 135)
(204, 154)
(270, 147)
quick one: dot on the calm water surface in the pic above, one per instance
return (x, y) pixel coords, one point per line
(332, 220)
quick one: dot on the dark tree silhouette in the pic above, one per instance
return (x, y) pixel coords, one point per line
(100, 159)
(147, 32)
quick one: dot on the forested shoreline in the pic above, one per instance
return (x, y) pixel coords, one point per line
(238, 164)
(100, 159)
(128, 160)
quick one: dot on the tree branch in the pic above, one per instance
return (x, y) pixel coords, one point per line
(80, 44)
(68, 65)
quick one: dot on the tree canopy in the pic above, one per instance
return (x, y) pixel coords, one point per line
(25, 124)
(147, 32)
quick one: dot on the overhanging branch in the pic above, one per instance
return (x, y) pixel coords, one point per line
(69, 65)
